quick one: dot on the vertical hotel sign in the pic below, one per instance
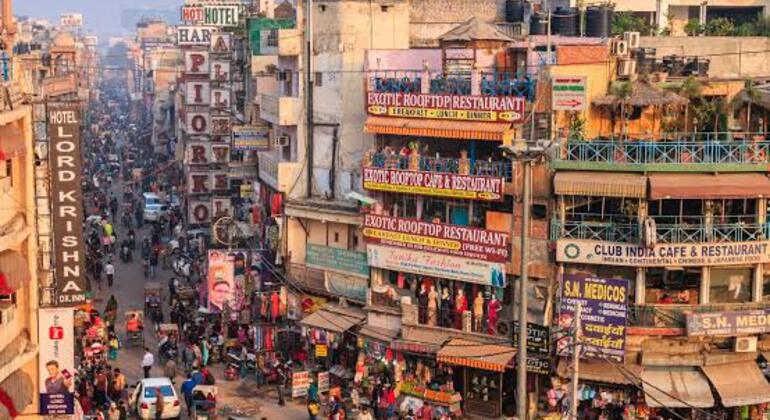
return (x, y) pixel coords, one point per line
(66, 196)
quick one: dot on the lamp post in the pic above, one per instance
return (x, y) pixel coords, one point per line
(526, 153)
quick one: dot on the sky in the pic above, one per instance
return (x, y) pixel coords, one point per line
(100, 16)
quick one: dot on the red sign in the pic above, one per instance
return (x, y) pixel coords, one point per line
(460, 241)
(447, 107)
(437, 184)
(192, 14)
(56, 333)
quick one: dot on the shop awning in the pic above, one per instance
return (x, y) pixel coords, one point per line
(601, 371)
(676, 388)
(739, 384)
(16, 394)
(380, 334)
(707, 186)
(465, 130)
(473, 354)
(14, 271)
(599, 184)
(420, 340)
(332, 319)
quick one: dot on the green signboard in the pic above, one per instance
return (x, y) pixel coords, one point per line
(262, 30)
(335, 259)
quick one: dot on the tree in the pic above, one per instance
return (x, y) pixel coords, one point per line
(622, 91)
(693, 27)
(692, 89)
(751, 95)
(627, 22)
(720, 26)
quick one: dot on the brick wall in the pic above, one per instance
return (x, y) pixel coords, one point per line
(429, 19)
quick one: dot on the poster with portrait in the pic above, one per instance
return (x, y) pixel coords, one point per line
(57, 361)
(221, 287)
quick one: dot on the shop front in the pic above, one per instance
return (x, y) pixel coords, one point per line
(330, 344)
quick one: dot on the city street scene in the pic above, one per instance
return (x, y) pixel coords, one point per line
(384, 209)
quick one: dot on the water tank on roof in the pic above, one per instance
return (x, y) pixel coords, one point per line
(566, 21)
(599, 21)
(537, 24)
(514, 11)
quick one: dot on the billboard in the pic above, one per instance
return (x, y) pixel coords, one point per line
(212, 14)
(446, 107)
(603, 313)
(729, 323)
(456, 240)
(67, 203)
(57, 360)
(71, 19)
(437, 184)
(227, 271)
(251, 137)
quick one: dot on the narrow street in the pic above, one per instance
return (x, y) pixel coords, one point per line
(236, 397)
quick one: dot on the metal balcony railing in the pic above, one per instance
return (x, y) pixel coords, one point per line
(608, 228)
(490, 83)
(681, 152)
(446, 165)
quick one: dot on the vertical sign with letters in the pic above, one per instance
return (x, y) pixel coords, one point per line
(67, 203)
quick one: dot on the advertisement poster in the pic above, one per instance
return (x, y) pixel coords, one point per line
(57, 361)
(446, 107)
(604, 310)
(662, 255)
(455, 240)
(67, 203)
(436, 265)
(323, 381)
(538, 347)
(300, 382)
(251, 137)
(221, 284)
(729, 323)
(436, 184)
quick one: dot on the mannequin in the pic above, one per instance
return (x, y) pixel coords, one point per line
(493, 309)
(446, 308)
(432, 306)
(422, 304)
(461, 305)
(478, 312)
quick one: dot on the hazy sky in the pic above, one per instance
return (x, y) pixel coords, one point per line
(102, 16)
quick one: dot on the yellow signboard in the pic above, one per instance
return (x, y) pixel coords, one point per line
(444, 114)
(321, 350)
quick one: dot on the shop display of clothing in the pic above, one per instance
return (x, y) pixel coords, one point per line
(275, 306)
(422, 306)
(432, 307)
(493, 309)
(446, 310)
(478, 312)
(461, 305)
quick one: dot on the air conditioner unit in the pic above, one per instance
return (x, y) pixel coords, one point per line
(504, 328)
(745, 344)
(8, 314)
(620, 48)
(632, 39)
(281, 141)
(626, 68)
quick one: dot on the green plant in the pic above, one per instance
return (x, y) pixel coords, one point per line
(627, 22)
(720, 26)
(622, 91)
(692, 89)
(751, 96)
(577, 127)
(693, 27)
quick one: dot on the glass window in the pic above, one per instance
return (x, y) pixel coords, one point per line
(730, 285)
(166, 390)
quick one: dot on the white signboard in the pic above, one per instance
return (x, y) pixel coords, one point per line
(221, 43)
(198, 153)
(220, 98)
(220, 153)
(196, 62)
(199, 183)
(212, 14)
(197, 123)
(194, 35)
(197, 92)
(662, 255)
(71, 19)
(568, 93)
(220, 207)
(436, 265)
(56, 332)
(220, 71)
(199, 211)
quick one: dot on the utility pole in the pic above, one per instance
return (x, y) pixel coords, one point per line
(577, 347)
(521, 383)
(309, 94)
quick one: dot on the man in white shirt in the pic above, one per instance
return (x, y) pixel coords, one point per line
(109, 271)
(147, 361)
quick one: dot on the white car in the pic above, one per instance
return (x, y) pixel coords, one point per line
(142, 399)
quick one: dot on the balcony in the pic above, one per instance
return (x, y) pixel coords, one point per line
(674, 315)
(463, 166)
(700, 152)
(278, 175)
(279, 110)
(475, 82)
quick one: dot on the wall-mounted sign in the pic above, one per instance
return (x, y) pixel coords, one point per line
(198, 153)
(538, 347)
(220, 98)
(568, 93)
(194, 35)
(197, 123)
(603, 313)
(67, 216)
(199, 183)
(220, 71)
(220, 43)
(729, 323)
(436, 265)
(251, 137)
(349, 286)
(192, 14)
(56, 332)
(221, 207)
(662, 255)
(197, 92)
(468, 187)
(212, 14)
(456, 240)
(220, 182)
(220, 153)
(220, 126)
(447, 107)
(199, 211)
(71, 19)
(336, 259)
(196, 62)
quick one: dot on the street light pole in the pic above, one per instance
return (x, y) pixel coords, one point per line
(521, 383)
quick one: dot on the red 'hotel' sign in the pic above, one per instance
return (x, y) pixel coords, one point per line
(437, 184)
(447, 107)
(459, 241)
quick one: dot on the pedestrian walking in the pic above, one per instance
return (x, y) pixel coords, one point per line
(147, 361)
(187, 391)
(169, 370)
(109, 271)
(118, 385)
(153, 263)
(113, 413)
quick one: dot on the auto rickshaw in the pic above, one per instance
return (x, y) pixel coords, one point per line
(135, 327)
(153, 301)
(204, 399)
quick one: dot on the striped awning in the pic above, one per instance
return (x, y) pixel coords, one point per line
(16, 394)
(464, 130)
(473, 354)
(600, 184)
(14, 271)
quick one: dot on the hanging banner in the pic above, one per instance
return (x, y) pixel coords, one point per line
(436, 265)
(351, 287)
(603, 315)
(662, 255)
(455, 240)
(447, 107)
(67, 203)
(467, 187)
(221, 285)
(251, 137)
(56, 332)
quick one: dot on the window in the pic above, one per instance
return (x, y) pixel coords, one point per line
(9, 170)
(272, 38)
(731, 285)
(318, 79)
